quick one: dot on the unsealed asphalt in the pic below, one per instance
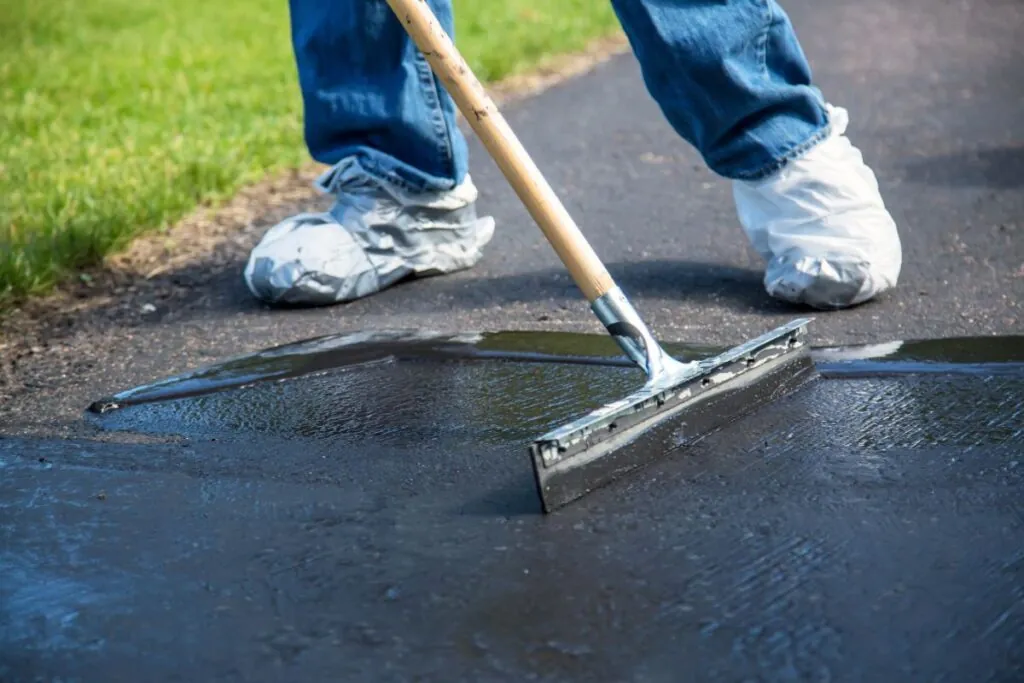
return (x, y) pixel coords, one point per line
(936, 101)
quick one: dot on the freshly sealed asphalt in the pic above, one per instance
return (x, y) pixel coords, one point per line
(377, 523)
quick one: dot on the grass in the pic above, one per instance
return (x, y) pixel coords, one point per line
(117, 117)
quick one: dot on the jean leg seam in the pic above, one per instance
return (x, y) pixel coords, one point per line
(762, 41)
(430, 91)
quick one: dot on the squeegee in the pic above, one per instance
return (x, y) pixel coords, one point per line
(680, 401)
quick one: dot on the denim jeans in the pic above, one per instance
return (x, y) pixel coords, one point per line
(729, 76)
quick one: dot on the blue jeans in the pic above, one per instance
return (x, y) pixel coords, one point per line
(729, 76)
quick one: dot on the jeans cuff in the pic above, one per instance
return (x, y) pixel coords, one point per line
(394, 172)
(786, 154)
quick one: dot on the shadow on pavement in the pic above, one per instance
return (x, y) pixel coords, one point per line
(205, 288)
(734, 287)
(679, 281)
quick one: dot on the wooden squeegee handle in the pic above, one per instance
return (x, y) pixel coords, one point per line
(490, 126)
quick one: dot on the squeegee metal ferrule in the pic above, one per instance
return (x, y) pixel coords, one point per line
(624, 324)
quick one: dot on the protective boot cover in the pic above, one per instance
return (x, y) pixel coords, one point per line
(375, 235)
(822, 227)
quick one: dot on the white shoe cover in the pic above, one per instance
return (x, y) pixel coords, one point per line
(822, 227)
(375, 235)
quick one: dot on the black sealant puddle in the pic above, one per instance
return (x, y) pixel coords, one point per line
(334, 352)
(394, 390)
(385, 403)
(996, 355)
(980, 355)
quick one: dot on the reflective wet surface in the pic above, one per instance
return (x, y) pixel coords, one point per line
(986, 355)
(366, 512)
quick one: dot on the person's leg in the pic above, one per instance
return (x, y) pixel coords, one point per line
(369, 93)
(732, 79)
(375, 113)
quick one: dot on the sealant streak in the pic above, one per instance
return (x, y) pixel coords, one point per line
(1004, 355)
(967, 355)
(339, 351)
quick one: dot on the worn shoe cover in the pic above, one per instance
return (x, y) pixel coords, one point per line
(375, 235)
(821, 226)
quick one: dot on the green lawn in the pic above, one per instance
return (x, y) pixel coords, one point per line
(119, 116)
